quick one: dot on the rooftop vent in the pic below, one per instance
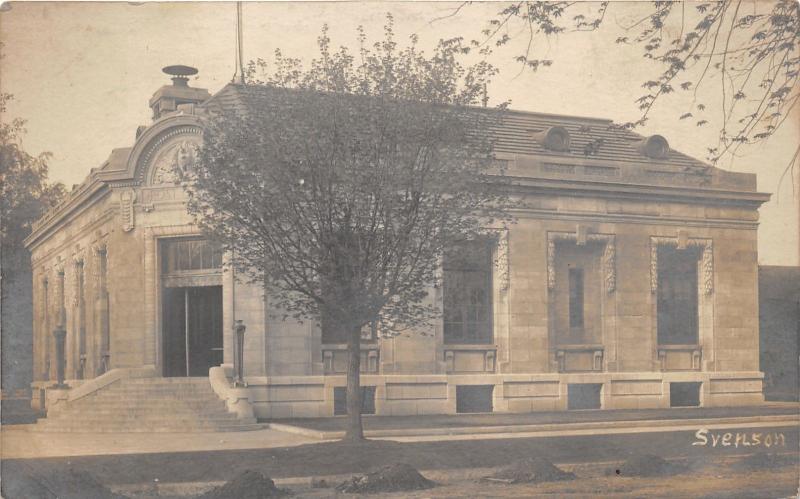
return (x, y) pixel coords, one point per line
(654, 147)
(169, 97)
(555, 138)
(180, 74)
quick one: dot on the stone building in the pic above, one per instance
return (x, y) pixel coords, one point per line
(629, 280)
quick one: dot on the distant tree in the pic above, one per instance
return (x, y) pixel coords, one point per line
(25, 194)
(342, 189)
(749, 48)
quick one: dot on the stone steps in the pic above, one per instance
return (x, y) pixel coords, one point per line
(151, 428)
(144, 413)
(145, 400)
(148, 405)
(130, 404)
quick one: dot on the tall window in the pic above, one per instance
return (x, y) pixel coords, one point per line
(576, 298)
(677, 296)
(333, 333)
(468, 293)
(46, 326)
(191, 254)
(81, 302)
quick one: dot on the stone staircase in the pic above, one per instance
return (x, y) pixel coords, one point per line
(148, 405)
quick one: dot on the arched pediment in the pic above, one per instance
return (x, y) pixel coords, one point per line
(170, 156)
(164, 150)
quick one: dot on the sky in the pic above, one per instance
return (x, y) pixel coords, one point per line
(82, 73)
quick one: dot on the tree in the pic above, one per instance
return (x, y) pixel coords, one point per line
(343, 187)
(25, 194)
(749, 49)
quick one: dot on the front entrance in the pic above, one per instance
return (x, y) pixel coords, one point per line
(192, 330)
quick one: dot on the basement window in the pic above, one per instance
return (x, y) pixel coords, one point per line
(474, 398)
(340, 400)
(584, 396)
(684, 394)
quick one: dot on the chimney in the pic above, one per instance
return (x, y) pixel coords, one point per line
(169, 97)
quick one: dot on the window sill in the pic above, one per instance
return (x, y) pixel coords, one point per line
(470, 346)
(580, 347)
(372, 345)
(683, 347)
(680, 357)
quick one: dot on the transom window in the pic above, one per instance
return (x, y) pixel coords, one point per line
(190, 254)
(677, 296)
(467, 288)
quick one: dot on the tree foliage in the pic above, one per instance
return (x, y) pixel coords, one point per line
(749, 49)
(26, 192)
(342, 183)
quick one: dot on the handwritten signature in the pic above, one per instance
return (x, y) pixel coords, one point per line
(746, 439)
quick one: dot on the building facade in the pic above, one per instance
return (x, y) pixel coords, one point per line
(629, 280)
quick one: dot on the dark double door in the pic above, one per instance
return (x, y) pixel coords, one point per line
(192, 327)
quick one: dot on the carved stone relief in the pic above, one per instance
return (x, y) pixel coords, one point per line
(99, 252)
(78, 267)
(580, 237)
(501, 261)
(707, 263)
(126, 199)
(175, 160)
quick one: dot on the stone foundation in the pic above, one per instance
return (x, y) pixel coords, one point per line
(407, 395)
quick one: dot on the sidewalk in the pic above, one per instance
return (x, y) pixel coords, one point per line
(21, 442)
(409, 428)
(24, 442)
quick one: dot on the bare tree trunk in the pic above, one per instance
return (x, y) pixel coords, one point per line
(355, 431)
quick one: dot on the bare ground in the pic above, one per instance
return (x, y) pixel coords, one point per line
(711, 480)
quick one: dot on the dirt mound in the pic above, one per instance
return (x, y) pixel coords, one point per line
(531, 470)
(24, 487)
(391, 478)
(61, 484)
(246, 485)
(763, 461)
(647, 465)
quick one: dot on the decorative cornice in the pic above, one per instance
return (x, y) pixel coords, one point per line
(642, 192)
(602, 217)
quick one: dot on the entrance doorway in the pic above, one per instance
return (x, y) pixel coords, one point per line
(192, 330)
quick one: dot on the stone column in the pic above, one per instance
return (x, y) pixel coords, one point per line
(79, 306)
(45, 326)
(61, 316)
(101, 309)
(60, 335)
